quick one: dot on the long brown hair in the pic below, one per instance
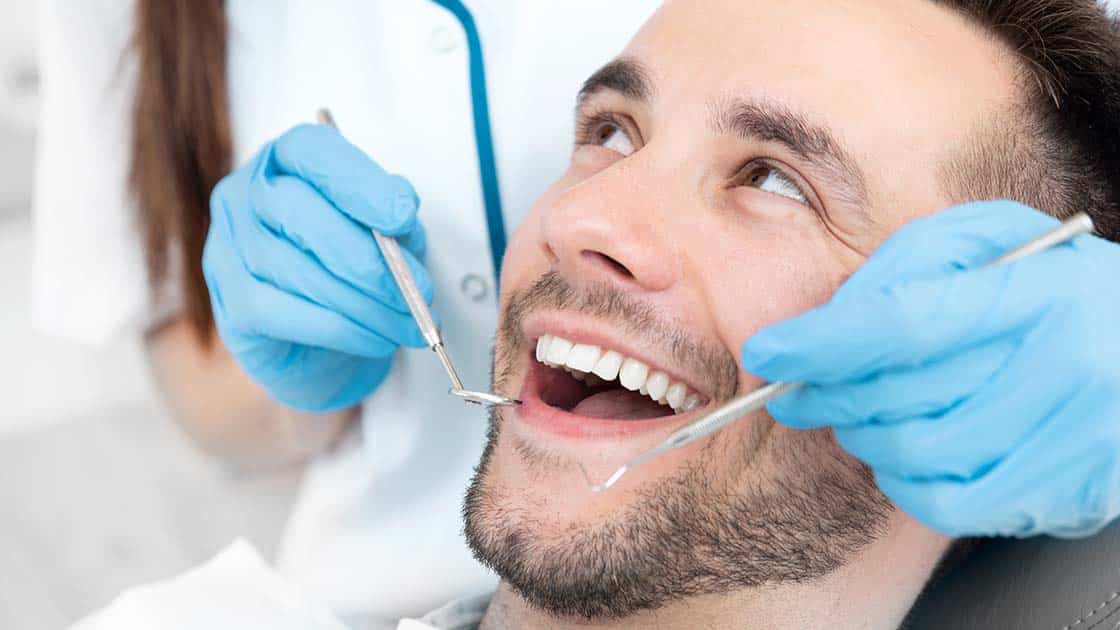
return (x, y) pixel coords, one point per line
(181, 142)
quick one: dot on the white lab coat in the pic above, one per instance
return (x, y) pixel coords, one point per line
(377, 528)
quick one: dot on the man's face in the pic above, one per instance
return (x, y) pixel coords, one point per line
(739, 161)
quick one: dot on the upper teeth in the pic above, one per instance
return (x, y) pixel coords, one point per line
(591, 363)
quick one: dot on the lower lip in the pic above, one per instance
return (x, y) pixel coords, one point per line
(533, 411)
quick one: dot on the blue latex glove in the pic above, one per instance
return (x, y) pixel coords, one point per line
(300, 292)
(986, 401)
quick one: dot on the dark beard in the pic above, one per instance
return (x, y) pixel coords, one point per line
(684, 535)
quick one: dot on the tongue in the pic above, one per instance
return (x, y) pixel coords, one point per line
(620, 404)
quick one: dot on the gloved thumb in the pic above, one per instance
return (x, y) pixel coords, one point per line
(961, 237)
(910, 323)
(868, 324)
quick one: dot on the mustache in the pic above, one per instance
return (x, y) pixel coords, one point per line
(709, 361)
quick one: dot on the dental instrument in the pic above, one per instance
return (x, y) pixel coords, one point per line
(394, 259)
(738, 407)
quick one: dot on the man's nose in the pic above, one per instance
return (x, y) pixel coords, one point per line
(610, 230)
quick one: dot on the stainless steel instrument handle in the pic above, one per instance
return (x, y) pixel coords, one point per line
(391, 251)
(733, 410)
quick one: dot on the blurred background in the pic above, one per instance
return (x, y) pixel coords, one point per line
(98, 489)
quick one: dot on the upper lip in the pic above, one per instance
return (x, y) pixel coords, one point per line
(581, 329)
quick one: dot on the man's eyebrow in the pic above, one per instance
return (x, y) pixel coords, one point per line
(767, 121)
(624, 75)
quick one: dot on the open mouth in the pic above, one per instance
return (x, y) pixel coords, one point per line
(596, 382)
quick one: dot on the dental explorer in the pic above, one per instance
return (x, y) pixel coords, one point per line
(391, 251)
(738, 407)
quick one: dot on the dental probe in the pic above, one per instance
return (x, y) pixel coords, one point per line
(391, 251)
(740, 406)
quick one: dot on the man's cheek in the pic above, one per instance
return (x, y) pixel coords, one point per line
(771, 292)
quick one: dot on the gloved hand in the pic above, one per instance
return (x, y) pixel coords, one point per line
(986, 401)
(300, 293)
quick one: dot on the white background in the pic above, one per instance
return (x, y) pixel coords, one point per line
(43, 380)
(99, 490)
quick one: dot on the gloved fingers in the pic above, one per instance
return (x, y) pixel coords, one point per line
(348, 178)
(957, 238)
(1038, 458)
(295, 212)
(970, 437)
(246, 306)
(958, 445)
(893, 396)
(1031, 492)
(266, 311)
(279, 263)
(911, 322)
(949, 507)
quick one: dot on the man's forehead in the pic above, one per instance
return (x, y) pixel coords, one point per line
(818, 50)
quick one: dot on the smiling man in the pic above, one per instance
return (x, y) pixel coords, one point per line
(732, 168)
(734, 212)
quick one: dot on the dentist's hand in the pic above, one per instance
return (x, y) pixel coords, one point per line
(301, 295)
(986, 401)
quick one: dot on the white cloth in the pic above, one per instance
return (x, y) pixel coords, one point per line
(234, 590)
(462, 614)
(237, 589)
(395, 74)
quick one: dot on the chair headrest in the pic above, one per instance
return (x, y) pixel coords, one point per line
(1042, 583)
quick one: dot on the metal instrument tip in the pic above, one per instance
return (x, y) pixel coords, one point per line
(483, 398)
(598, 488)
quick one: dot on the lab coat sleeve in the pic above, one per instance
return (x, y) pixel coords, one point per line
(88, 277)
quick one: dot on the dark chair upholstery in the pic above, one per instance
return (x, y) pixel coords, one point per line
(1034, 584)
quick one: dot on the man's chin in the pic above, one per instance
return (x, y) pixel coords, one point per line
(578, 555)
(547, 543)
(542, 482)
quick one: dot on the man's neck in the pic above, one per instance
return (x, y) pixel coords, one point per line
(873, 591)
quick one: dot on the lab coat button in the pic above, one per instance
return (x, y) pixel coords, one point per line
(443, 40)
(474, 287)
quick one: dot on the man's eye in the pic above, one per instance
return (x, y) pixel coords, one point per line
(612, 136)
(769, 179)
(608, 130)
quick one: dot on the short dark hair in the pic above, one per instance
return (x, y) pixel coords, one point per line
(1059, 148)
